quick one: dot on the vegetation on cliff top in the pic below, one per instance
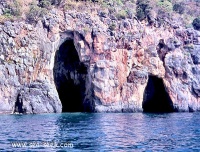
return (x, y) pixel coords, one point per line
(182, 11)
(196, 23)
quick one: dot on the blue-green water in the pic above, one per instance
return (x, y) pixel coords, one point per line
(102, 132)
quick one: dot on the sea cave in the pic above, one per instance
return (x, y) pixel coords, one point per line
(156, 99)
(70, 77)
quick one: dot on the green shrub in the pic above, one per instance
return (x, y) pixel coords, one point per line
(12, 11)
(119, 2)
(196, 23)
(187, 20)
(112, 27)
(56, 2)
(6, 17)
(179, 8)
(45, 3)
(48, 3)
(143, 9)
(15, 8)
(36, 13)
(121, 14)
(7, 11)
(165, 5)
(164, 11)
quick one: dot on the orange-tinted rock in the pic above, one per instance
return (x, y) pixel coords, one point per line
(118, 62)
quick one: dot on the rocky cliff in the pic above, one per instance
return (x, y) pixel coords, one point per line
(80, 61)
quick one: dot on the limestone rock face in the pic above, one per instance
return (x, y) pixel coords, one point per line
(39, 97)
(117, 63)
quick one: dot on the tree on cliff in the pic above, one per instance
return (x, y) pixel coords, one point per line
(143, 9)
(196, 23)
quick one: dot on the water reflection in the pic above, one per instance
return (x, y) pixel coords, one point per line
(77, 128)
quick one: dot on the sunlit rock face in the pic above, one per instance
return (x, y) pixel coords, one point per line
(89, 67)
(156, 98)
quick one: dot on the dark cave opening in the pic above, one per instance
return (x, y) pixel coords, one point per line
(156, 99)
(70, 77)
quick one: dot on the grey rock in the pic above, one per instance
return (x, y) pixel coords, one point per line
(196, 88)
(40, 97)
(195, 53)
(137, 76)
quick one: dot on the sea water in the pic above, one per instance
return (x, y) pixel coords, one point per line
(100, 132)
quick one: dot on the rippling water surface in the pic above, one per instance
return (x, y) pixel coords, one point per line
(103, 132)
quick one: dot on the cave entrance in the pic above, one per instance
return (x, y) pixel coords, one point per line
(70, 77)
(156, 99)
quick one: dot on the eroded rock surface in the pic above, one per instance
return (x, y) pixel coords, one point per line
(37, 97)
(116, 63)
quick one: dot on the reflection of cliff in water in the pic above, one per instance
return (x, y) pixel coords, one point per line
(156, 99)
(69, 127)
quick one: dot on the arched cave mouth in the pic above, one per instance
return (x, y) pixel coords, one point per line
(70, 77)
(156, 99)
